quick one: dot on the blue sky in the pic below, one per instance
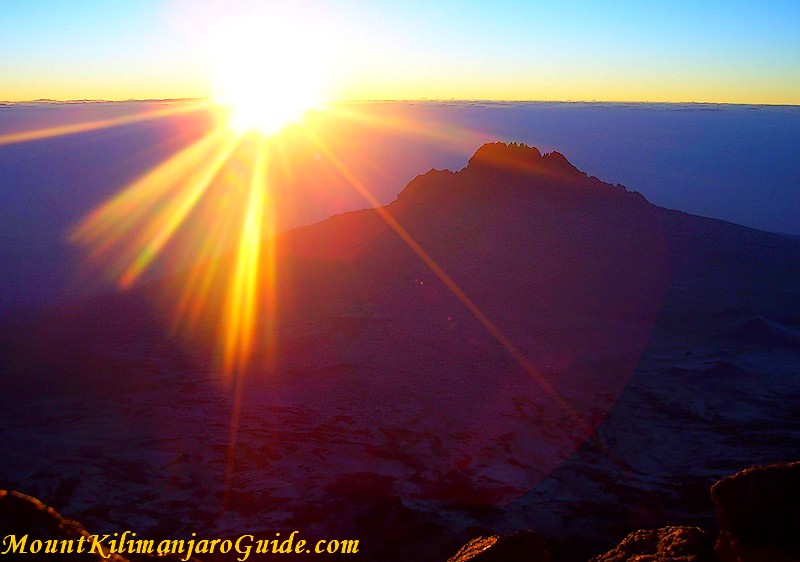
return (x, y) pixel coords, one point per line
(645, 51)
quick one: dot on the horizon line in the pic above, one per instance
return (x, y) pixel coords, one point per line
(401, 100)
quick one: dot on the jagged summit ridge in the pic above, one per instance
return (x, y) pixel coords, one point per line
(521, 158)
(497, 166)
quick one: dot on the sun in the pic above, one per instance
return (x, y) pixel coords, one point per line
(266, 77)
(266, 97)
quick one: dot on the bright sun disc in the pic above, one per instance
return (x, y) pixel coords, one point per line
(265, 78)
(266, 103)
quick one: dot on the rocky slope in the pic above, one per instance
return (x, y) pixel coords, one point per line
(538, 349)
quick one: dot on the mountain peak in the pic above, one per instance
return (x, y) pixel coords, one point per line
(499, 167)
(494, 153)
(522, 159)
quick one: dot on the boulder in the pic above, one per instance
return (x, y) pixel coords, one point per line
(522, 546)
(668, 544)
(35, 527)
(24, 516)
(758, 511)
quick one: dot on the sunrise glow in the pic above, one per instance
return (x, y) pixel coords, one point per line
(388, 276)
(265, 75)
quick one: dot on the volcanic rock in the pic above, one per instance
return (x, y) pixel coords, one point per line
(758, 511)
(669, 544)
(522, 546)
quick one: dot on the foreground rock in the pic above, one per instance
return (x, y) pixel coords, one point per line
(47, 535)
(669, 544)
(22, 515)
(758, 511)
(522, 546)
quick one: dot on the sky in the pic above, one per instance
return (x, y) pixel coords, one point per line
(730, 52)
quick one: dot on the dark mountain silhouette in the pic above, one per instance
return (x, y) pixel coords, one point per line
(426, 370)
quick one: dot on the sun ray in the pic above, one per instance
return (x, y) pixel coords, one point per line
(242, 308)
(448, 281)
(164, 225)
(459, 138)
(447, 134)
(283, 159)
(133, 228)
(176, 108)
(126, 210)
(198, 283)
(219, 216)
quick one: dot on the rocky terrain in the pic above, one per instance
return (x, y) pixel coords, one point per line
(536, 349)
(757, 510)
